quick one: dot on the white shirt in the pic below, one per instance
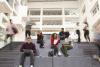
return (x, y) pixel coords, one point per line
(67, 40)
(55, 41)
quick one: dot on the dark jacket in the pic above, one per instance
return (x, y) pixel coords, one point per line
(62, 35)
(39, 38)
(67, 34)
(30, 46)
(28, 27)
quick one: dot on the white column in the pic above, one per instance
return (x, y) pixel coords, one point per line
(99, 4)
(0, 18)
(41, 18)
(63, 17)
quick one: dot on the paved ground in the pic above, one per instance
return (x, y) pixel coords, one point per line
(79, 56)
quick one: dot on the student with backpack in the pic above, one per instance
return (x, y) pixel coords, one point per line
(11, 30)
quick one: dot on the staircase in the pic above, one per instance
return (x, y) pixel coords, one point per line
(79, 56)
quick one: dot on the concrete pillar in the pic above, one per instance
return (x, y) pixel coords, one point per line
(41, 18)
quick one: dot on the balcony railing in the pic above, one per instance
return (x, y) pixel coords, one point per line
(95, 9)
(53, 11)
(71, 11)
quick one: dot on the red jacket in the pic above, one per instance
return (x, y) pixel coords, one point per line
(52, 41)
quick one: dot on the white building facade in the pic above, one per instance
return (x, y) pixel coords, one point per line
(90, 12)
(15, 10)
(50, 16)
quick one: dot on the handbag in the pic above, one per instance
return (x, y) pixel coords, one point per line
(51, 53)
(15, 30)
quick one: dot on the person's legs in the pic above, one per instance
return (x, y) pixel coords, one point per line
(26, 33)
(97, 56)
(88, 38)
(65, 51)
(23, 59)
(78, 37)
(85, 36)
(60, 44)
(88, 35)
(55, 50)
(78, 33)
(98, 49)
(6, 37)
(11, 39)
(29, 33)
(41, 44)
(32, 58)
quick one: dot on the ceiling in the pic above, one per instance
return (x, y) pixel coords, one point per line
(48, 0)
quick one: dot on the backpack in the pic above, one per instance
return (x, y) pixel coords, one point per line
(15, 30)
(51, 53)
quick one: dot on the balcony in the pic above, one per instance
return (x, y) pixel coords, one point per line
(5, 17)
(52, 26)
(5, 7)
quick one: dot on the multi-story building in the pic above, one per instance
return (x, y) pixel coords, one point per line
(90, 12)
(51, 16)
(12, 9)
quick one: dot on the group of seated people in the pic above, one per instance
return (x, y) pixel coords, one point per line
(29, 49)
(56, 41)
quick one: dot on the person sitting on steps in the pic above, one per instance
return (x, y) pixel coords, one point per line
(54, 42)
(28, 49)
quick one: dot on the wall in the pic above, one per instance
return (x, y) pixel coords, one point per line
(69, 4)
(87, 16)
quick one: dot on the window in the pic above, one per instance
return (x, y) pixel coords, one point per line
(52, 11)
(34, 11)
(84, 9)
(71, 11)
(51, 29)
(52, 21)
(95, 9)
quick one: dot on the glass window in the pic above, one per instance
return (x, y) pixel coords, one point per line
(95, 9)
(52, 22)
(84, 9)
(34, 12)
(71, 11)
(52, 11)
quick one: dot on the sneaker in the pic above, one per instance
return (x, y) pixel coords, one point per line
(99, 59)
(95, 56)
(54, 56)
(41, 47)
(31, 66)
(20, 65)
